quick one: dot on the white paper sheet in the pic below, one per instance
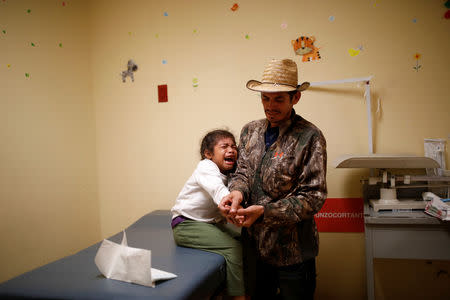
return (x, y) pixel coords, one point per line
(128, 264)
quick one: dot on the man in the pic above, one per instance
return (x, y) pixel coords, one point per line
(277, 188)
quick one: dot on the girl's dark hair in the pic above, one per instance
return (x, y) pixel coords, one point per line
(212, 138)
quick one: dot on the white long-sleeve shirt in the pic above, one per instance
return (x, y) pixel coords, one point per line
(201, 194)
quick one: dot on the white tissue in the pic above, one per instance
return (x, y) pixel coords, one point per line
(128, 264)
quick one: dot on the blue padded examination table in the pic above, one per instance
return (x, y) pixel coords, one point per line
(200, 274)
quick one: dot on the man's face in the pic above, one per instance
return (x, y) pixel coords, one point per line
(278, 106)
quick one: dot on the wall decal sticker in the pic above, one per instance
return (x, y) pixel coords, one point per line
(417, 66)
(131, 68)
(355, 52)
(162, 93)
(304, 46)
(447, 13)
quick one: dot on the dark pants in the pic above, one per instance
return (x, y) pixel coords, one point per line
(264, 281)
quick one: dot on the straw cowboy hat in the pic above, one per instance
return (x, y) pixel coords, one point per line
(280, 75)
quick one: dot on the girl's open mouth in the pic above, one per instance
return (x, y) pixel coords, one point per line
(229, 160)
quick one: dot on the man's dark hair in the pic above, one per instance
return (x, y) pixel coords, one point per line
(292, 94)
(212, 138)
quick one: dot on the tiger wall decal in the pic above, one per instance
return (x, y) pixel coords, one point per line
(305, 46)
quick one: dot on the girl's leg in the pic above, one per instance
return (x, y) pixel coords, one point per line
(216, 239)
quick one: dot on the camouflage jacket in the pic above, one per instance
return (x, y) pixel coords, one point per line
(289, 180)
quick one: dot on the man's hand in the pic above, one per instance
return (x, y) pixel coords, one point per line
(230, 204)
(250, 214)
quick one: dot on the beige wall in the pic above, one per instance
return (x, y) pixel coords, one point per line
(145, 150)
(48, 187)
